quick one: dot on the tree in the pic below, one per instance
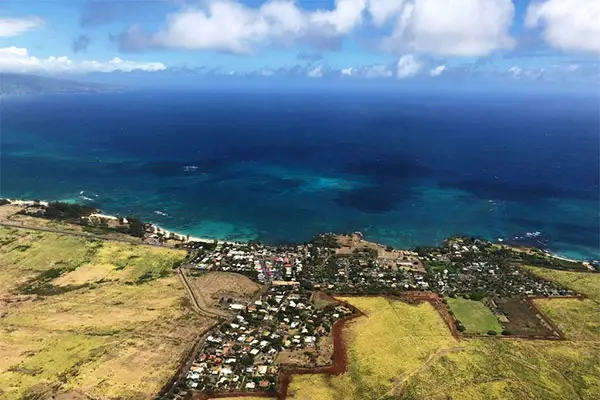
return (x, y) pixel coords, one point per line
(477, 295)
(247, 361)
(459, 325)
(136, 227)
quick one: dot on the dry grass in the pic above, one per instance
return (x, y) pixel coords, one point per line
(8, 214)
(8, 210)
(386, 256)
(385, 347)
(111, 320)
(580, 320)
(405, 352)
(211, 286)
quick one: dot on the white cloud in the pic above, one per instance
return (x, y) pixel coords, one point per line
(407, 66)
(442, 27)
(368, 71)
(231, 26)
(15, 26)
(383, 10)
(556, 73)
(515, 71)
(453, 27)
(378, 71)
(346, 15)
(316, 72)
(16, 59)
(569, 25)
(437, 71)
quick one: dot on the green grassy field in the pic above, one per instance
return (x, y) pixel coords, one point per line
(106, 319)
(474, 315)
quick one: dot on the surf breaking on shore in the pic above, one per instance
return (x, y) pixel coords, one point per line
(155, 231)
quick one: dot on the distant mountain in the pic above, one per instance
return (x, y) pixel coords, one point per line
(11, 83)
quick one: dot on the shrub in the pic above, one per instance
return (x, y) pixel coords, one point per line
(492, 333)
(459, 325)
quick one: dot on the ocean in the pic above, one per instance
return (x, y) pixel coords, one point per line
(279, 165)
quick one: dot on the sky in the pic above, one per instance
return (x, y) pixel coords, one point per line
(537, 40)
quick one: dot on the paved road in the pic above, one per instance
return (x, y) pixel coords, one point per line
(83, 234)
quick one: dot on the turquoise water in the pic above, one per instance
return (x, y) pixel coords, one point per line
(403, 169)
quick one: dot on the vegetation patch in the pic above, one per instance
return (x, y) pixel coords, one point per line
(580, 319)
(432, 365)
(115, 341)
(474, 316)
(521, 369)
(385, 348)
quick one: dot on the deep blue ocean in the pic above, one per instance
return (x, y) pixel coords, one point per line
(279, 165)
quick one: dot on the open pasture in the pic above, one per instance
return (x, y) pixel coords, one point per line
(103, 319)
(411, 355)
(474, 315)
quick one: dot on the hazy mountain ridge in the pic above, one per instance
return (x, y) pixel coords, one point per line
(11, 83)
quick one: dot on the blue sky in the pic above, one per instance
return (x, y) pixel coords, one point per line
(401, 39)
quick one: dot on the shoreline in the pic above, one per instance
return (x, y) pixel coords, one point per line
(185, 238)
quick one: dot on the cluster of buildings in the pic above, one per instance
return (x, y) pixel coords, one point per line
(472, 266)
(245, 353)
(460, 266)
(242, 354)
(263, 263)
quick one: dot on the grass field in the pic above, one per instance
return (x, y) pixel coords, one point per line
(392, 342)
(474, 315)
(584, 283)
(511, 369)
(405, 352)
(580, 320)
(212, 286)
(9, 214)
(105, 319)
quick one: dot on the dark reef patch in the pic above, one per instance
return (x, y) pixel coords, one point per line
(521, 193)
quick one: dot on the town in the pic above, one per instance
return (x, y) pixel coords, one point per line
(461, 266)
(287, 324)
(286, 316)
(282, 327)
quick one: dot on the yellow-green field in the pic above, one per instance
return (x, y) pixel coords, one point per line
(579, 319)
(105, 319)
(399, 351)
(584, 283)
(386, 347)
